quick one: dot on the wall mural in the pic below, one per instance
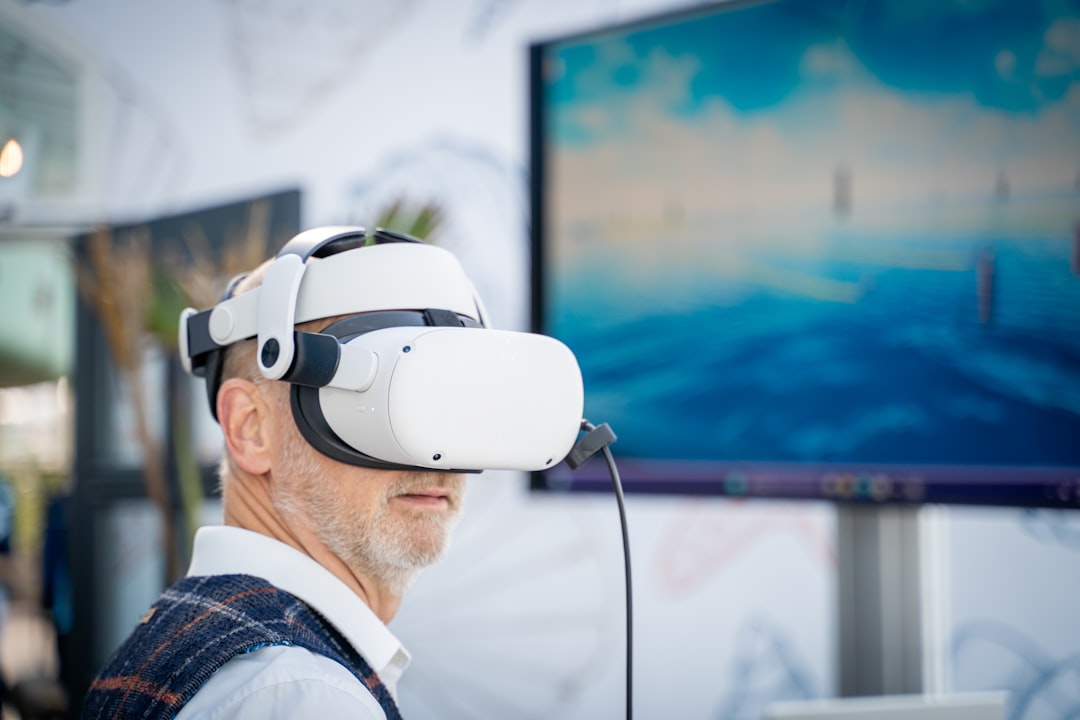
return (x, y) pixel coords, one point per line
(487, 14)
(1011, 608)
(288, 55)
(146, 153)
(697, 546)
(1052, 527)
(765, 667)
(1042, 685)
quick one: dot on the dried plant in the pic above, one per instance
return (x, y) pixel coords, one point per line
(202, 280)
(134, 298)
(116, 284)
(421, 221)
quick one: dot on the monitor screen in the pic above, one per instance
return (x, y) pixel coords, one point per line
(819, 248)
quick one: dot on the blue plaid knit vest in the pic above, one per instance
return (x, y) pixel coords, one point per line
(198, 625)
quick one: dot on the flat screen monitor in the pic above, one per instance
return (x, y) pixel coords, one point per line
(819, 249)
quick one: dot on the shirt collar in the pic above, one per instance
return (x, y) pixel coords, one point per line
(224, 550)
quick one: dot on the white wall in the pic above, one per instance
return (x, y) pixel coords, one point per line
(356, 101)
(1013, 580)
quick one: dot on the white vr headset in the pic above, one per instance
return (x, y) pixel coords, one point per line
(411, 377)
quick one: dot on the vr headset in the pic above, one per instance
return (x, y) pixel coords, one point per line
(409, 376)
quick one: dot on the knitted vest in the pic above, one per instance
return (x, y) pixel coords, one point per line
(198, 625)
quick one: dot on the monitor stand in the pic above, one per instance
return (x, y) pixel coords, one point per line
(879, 601)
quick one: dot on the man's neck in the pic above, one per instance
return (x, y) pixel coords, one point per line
(246, 503)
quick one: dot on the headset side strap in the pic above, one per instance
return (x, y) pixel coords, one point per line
(185, 354)
(277, 312)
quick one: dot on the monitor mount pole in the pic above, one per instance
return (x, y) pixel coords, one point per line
(879, 596)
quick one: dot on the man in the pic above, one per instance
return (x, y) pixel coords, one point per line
(284, 609)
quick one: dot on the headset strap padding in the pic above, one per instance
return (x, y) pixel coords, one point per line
(276, 315)
(323, 241)
(195, 339)
(406, 276)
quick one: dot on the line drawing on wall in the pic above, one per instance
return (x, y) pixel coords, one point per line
(122, 152)
(765, 667)
(698, 546)
(1052, 527)
(288, 56)
(1002, 657)
(147, 159)
(488, 14)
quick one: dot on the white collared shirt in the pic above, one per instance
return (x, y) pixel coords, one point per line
(289, 681)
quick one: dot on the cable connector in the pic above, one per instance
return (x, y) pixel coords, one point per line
(593, 441)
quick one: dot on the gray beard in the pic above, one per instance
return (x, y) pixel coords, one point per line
(389, 548)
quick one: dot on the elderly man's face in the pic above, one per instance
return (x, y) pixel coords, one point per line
(387, 523)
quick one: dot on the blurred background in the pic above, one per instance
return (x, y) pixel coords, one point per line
(150, 150)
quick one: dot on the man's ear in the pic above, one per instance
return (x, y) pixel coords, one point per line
(246, 423)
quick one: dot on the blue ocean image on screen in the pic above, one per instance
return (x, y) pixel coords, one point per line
(775, 233)
(910, 372)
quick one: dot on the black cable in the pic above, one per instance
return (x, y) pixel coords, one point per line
(629, 594)
(599, 438)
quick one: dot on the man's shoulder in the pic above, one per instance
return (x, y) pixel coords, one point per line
(201, 625)
(282, 682)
